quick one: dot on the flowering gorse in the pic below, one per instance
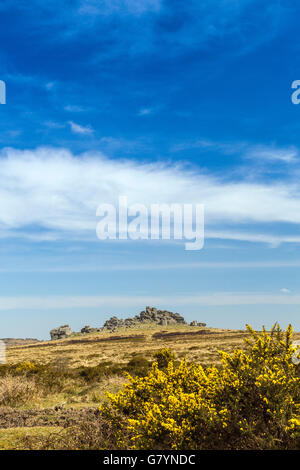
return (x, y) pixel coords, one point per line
(250, 402)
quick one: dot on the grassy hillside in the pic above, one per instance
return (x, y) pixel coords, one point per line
(196, 344)
(47, 385)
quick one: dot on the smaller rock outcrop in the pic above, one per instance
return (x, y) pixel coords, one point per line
(61, 332)
(18, 341)
(197, 323)
(113, 323)
(89, 329)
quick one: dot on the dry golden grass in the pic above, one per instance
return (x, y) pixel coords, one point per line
(13, 438)
(119, 347)
(17, 391)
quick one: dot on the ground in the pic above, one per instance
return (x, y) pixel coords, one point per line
(46, 412)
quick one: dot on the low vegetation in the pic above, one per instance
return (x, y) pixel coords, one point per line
(250, 402)
(119, 347)
(16, 391)
(163, 399)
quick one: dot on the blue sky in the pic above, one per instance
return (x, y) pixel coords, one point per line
(162, 101)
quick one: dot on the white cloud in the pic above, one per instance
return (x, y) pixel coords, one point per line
(285, 290)
(285, 154)
(145, 111)
(115, 145)
(152, 267)
(212, 299)
(259, 153)
(206, 144)
(107, 7)
(54, 125)
(50, 85)
(271, 239)
(58, 192)
(78, 129)
(73, 108)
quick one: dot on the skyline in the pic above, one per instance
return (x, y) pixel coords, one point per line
(163, 103)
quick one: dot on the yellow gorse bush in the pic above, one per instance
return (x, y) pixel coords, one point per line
(251, 401)
(25, 367)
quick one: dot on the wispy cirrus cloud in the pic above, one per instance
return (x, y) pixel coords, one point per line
(108, 7)
(155, 267)
(145, 111)
(54, 125)
(210, 145)
(246, 150)
(79, 129)
(179, 26)
(73, 108)
(150, 110)
(211, 299)
(272, 154)
(116, 145)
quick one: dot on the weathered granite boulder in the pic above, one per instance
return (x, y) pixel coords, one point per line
(197, 323)
(113, 323)
(89, 329)
(160, 317)
(19, 341)
(61, 332)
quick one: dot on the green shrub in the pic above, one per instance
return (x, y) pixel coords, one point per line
(99, 372)
(163, 357)
(138, 365)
